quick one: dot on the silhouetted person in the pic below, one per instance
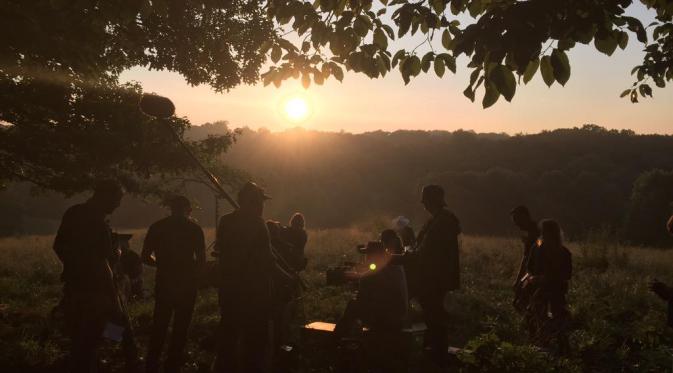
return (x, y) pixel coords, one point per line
(662, 290)
(85, 247)
(548, 271)
(405, 232)
(438, 270)
(295, 234)
(176, 247)
(246, 266)
(521, 218)
(381, 304)
(288, 244)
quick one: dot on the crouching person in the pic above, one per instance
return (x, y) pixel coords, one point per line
(381, 305)
(176, 247)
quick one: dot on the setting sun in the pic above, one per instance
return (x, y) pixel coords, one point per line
(297, 109)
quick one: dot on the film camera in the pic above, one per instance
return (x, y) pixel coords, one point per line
(349, 272)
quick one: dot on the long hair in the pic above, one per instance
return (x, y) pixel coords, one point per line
(550, 231)
(298, 220)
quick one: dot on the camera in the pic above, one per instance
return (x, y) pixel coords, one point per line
(349, 272)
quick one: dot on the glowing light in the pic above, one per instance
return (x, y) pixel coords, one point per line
(297, 109)
(372, 267)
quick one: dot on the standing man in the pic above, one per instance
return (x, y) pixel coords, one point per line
(245, 265)
(176, 247)
(522, 219)
(438, 270)
(85, 247)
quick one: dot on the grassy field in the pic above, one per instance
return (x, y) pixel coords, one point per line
(618, 326)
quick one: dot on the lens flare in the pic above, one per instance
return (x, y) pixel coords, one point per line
(372, 266)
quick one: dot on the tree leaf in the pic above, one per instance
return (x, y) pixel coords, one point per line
(426, 61)
(531, 69)
(337, 72)
(625, 93)
(547, 70)
(276, 54)
(305, 80)
(607, 45)
(446, 39)
(380, 38)
(561, 65)
(490, 96)
(503, 79)
(399, 55)
(623, 39)
(439, 66)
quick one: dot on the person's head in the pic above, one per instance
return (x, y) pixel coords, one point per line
(251, 198)
(550, 232)
(297, 221)
(391, 241)
(433, 198)
(521, 216)
(107, 195)
(179, 205)
(401, 222)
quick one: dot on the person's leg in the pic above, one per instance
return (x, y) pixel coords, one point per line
(227, 343)
(86, 318)
(344, 327)
(184, 308)
(130, 346)
(163, 310)
(436, 335)
(255, 340)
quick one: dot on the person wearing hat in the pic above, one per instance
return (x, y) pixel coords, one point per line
(438, 270)
(245, 265)
(84, 245)
(175, 245)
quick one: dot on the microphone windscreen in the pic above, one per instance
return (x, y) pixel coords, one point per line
(156, 106)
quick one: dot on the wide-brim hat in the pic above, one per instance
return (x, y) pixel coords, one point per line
(252, 192)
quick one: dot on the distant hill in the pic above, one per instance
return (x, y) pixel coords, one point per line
(581, 176)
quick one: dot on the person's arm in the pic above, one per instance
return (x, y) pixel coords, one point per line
(149, 248)
(63, 240)
(200, 248)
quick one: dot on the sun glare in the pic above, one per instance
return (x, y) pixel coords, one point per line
(297, 109)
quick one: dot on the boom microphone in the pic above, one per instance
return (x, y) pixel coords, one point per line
(156, 106)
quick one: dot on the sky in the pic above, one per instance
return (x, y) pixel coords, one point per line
(360, 104)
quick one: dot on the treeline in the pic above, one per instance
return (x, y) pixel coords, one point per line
(589, 178)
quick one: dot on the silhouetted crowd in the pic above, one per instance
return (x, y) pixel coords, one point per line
(257, 274)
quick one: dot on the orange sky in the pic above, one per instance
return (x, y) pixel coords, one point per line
(361, 104)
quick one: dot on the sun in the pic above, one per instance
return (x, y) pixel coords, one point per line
(297, 109)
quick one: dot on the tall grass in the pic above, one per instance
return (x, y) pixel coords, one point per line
(617, 324)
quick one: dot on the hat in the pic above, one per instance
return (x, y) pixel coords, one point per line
(433, 194)
(252, 192)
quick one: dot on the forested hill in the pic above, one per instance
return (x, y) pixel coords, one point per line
(584, 177)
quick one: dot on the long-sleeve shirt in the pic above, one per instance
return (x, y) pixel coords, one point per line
(438, 264)
(83, 243)
(246, 263)
(180, 250)
(384, 298)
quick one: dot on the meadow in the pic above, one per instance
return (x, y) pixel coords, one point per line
(618, 325)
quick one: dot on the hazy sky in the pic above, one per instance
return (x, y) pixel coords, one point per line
(361, 104)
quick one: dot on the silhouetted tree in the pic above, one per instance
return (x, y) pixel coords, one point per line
(65, 117)
(501, 40)
(649, 208)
